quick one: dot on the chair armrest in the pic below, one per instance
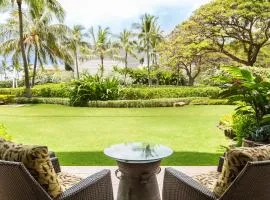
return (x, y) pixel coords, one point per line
(95, 187)
(52, 154)
(220, 163)
(178, 186)
(55, 162)
(56, 165)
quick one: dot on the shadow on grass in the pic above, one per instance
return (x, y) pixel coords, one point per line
(99, 159)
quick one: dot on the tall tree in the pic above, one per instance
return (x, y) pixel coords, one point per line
(102, 45)
(45, 40)
(42, 39)
(4, 68)
(181, 52)
(77, 45)
(128, 44)
(52, 5)
(155, 42)
(236, 28)
(147, 33)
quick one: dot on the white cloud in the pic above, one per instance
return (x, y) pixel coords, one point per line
(108, 12)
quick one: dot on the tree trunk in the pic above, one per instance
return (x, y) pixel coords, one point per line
(35, 66)
(126, 67)
(178, 75)
(102, 66)
(191, 81)
(25, 64)
(77, 64)
(5, 75)
(148, 64)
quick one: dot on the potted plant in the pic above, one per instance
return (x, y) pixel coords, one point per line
(252, 95)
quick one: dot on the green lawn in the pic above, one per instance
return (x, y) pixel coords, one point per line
(79, 135)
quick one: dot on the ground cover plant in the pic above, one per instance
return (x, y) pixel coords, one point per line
(79, 135)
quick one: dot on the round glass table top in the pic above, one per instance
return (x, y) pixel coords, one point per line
(136, 152)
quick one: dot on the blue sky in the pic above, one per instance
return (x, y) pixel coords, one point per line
(119, 14)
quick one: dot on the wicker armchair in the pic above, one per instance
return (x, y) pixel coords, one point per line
(251, 184)
(16, 183)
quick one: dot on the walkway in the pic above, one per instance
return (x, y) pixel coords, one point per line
(86, 171)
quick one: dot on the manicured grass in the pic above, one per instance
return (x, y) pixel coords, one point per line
(79, 135)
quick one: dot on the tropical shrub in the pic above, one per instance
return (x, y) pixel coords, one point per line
(5, 99)
(3, 132)
(226, 121)
(243, 126)
(93, 88)
(6, 84)
(52, 76)
(158, 76)
(252, 95)
(264, 73)
(262, 134)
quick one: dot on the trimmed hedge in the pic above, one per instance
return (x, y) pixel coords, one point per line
(125, 103)
(207, 101)
(46, 90)
(35, 100)
(138, 103)
(5, 99)
(167, 92)
(129, 93)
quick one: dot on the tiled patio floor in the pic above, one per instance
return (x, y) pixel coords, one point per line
(86, 171)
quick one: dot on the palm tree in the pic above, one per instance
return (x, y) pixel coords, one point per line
(77, 45)
(4, 68)
(157, 38)
(146, 34)
(53, 5)
(102, 45)
(127, 43)
(42, 40)
(45, 40)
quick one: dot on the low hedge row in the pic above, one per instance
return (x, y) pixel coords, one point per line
(129, 93)
(168, 92)
(5, 99)
(138, 103)
(207, 101)
(37, 100)
(46, 90)
(126, 103)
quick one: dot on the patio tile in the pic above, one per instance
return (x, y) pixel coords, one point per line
(84, 171)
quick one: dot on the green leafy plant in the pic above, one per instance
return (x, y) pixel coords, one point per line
(243, 126)
(251, 92)
(252, 95)
(93, 88)
(262, 134)
(5, 99)
(3, 133)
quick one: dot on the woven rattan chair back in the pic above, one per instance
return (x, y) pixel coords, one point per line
(17, 184)
(253, 183)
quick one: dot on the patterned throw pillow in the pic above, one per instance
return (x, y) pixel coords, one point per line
(208, 180)
(235, 161)
(68, 180)
(36, 160)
